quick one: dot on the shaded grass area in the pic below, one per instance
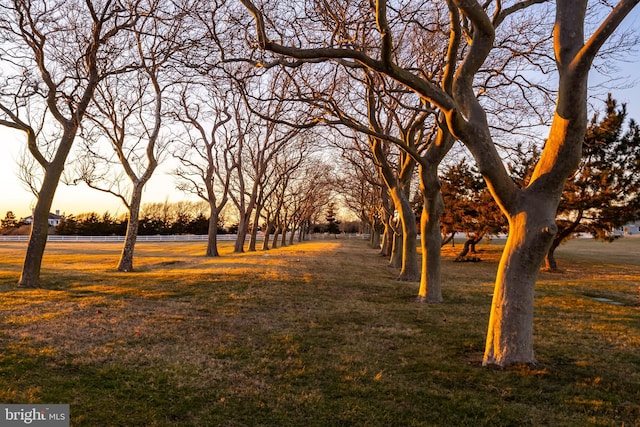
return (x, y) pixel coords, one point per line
(317, 334)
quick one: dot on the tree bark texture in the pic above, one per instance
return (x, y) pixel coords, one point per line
(242, 235)
(126, 257)
(395, 260)
(276, 235)
(410, 270)
(30, 276)
(265, 242)
(253, 236)
(376, 238)
(384, 240)
(430, 290)
(212, 231)
(510, 333)
(550, 263)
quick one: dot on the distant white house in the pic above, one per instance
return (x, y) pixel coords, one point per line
(54, 219)
(629, 229)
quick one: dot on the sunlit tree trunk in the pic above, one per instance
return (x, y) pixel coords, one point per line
(404, 251)
(510, 332)
(30, 276)
(383, 240)
(430, 290)
(397, 190)
(243, 228)
(431, 239)
(410, 267)
(126, 257)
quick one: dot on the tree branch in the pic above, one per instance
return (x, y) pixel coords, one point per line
(586, 55)
(421, 86)
(386, 55)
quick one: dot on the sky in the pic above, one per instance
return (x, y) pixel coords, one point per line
(77, 199)
(80, 199)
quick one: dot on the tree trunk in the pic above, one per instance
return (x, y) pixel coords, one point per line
(510, 333)
(449, 238)
(265, 242)
(384, 242)
(212, 232)
(30, 276)
(276, 234)
(410, 265)
(465, 248)
(126, 257)
(395, 260)
(550, 259)
(292, 235)
(469, 246)
(242, 235)
(410, 268)
(376, 238)
(254, 231)
(430, 290)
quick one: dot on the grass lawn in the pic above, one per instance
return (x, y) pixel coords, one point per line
(316, 334)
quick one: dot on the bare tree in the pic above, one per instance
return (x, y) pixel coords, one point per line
(57, 53)
(129, 113)
(310, 192)
(365, 193)
(277, 207)
(337, 101)
(262, 137)
(529, 210)
(387, 118)
(208, 156)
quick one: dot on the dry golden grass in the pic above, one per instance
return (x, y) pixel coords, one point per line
(315, 334)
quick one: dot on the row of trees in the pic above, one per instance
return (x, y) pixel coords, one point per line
(250, 116)
(602, 196)
(427, 74)
(132, 84)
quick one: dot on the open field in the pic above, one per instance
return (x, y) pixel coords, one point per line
(317, 334)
